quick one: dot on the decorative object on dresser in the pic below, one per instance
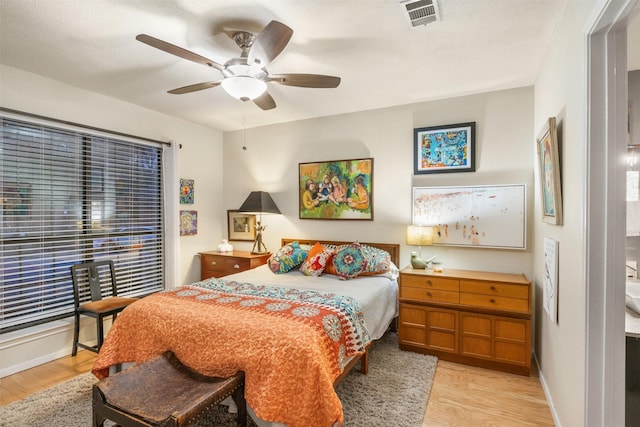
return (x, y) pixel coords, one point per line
(472, 317)
(419, 235)
(449, 148)
(257, 203)
(217, 264)
(225, 246)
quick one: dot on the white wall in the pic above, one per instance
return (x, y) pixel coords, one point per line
(200, 158)
(560, 91)
(270, 163)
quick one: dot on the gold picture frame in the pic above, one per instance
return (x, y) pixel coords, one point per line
(241, 226)
(550, 174)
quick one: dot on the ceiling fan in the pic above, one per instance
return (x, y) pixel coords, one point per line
(246, 77)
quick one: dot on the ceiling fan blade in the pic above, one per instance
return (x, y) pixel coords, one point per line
(265, 101)
(194, 88)
(269, 43)
(178, 51)
(305, 80)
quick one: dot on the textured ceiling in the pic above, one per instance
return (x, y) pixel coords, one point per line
(477, 46)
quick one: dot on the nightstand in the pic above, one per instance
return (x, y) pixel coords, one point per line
(218, 264)
(473, 317)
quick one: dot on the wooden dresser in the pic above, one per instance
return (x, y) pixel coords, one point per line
(218, 264)
(472, 317)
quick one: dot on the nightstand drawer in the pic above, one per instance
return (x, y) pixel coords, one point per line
(494, 289)
(434, 295)
(430, 282)
(494, 302)
(214, 264)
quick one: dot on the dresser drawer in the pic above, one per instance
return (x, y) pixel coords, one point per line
(425, 282)
(494, 289)
(494, 302)
(433, 295)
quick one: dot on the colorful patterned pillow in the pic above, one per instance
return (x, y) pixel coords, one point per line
(349, 261)
(286, 258)
(378, 260)
(317, 260)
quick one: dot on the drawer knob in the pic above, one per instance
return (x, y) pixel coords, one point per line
(213, 263)
(492, 301)
(429, 282)
(236, 266)
(429, 294)
(493, 288)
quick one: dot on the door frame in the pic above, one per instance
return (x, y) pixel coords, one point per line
(607, 101)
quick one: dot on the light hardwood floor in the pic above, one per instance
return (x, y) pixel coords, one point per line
(461, 395)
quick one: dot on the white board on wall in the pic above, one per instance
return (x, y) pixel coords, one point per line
(490, 216)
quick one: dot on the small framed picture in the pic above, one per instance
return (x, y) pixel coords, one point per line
(549, 169)
(186, 191)
(449, 148)
(242, 226)
(188, 223)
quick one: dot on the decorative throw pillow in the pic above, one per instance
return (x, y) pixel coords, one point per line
(317, 260)
(378, 260)
(286, 258)
(349, 261)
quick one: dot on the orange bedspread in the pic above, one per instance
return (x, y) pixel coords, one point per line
(291, 351)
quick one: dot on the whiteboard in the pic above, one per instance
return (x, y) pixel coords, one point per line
(490, 216)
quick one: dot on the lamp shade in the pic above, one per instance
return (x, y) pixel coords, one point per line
(244, 87)
(259, 202)
(419, 235)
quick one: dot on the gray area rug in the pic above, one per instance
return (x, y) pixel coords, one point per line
(394, 393)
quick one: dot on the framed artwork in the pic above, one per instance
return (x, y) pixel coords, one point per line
(337, 189)
(549, 169)
(487, 216)
(550, 291)
(188, 223)
(242, 226)
(186, 191)
(449, 148)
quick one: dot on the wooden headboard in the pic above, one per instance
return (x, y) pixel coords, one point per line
(393, 249)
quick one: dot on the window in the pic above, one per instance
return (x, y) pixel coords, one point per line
(69, 196)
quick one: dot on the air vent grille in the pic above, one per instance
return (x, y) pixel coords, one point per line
(421, 12)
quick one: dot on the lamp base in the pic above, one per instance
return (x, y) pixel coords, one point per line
(258, 245)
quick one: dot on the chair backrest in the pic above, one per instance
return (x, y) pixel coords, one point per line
(89, 274)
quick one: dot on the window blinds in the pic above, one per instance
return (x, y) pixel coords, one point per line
(68, 196)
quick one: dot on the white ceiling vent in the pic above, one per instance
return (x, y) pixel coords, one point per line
(421, 12)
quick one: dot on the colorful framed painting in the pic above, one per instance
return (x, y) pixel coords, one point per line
(549, 173)
(337, 189)
(188, 223)
(242, 226)
(449, 148)
(186, 191)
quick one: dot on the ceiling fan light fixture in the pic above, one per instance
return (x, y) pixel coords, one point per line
(244, 87)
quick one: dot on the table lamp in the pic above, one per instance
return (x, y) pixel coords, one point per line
(259, 202)
(419, 235)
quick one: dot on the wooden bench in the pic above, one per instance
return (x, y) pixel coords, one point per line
(163, 392)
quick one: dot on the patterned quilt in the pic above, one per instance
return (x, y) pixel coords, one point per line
(292, 344)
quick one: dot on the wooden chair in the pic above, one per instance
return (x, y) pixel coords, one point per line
(88, 281)
(163, 392)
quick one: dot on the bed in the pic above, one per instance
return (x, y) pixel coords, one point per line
(295, 336)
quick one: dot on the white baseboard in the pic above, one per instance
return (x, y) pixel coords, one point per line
(547, 394)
